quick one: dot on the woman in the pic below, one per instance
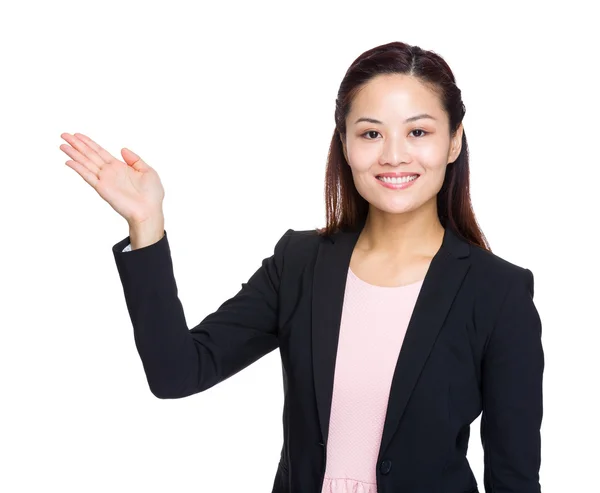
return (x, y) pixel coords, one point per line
(397, 325)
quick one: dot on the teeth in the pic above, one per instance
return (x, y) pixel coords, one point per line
(403, 179)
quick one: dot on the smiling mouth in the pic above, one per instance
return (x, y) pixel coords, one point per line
(397, 184)
(397, 181)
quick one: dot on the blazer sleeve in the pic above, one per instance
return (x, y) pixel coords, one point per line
(179, 361)
(512, 371)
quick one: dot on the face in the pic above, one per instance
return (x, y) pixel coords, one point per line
(395, 145)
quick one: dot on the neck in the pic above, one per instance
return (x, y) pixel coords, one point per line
(397, 236)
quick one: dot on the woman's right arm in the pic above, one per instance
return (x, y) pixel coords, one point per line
(178, 361)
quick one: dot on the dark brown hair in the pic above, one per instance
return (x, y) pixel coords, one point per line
(346, 209)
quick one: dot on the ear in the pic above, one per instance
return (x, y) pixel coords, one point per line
(456, 144)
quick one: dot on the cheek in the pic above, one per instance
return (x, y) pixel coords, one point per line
(432, 158)
(361, 158)
(428, 154)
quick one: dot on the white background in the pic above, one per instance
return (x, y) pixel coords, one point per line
(232, 103)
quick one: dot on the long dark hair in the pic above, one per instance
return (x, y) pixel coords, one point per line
(345, 207)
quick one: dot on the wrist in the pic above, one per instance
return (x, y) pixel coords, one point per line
(146, 233)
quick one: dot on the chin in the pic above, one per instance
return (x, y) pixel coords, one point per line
(397, 208)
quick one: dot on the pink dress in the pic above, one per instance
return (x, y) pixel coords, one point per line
(373, 325)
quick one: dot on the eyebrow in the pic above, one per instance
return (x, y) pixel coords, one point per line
(411, 119)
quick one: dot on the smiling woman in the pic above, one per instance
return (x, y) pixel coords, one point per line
(397, 191)
(396, 324)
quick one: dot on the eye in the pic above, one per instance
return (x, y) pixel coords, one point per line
(370, 132)
(423, 132)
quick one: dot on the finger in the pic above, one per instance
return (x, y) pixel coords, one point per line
(103, 153)
(80, 158)
(133, 160)
(84, 149)
(87, 175)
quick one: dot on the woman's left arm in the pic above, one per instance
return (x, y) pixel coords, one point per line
(512, 370)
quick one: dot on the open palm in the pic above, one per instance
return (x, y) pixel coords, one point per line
(132, 188)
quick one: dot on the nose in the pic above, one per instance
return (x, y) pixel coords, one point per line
(394, 151)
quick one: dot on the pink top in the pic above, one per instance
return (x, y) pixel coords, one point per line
(373, 325)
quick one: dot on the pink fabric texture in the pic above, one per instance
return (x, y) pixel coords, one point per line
(372, 330)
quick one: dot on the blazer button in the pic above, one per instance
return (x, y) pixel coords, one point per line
(385, 466)
(321, 444)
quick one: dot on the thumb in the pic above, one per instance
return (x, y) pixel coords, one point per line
(133, 160)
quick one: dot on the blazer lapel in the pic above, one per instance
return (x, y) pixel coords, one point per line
(442, 281)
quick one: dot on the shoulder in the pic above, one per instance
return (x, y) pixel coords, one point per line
(298, 248)
(302, 244)
(496, 271)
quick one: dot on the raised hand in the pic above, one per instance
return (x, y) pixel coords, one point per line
(132, 188)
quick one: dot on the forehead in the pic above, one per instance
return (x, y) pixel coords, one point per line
(395, 93)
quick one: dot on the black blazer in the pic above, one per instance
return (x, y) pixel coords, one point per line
(473, 344)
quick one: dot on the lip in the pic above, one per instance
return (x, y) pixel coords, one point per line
(398, 175)
(398, 186)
